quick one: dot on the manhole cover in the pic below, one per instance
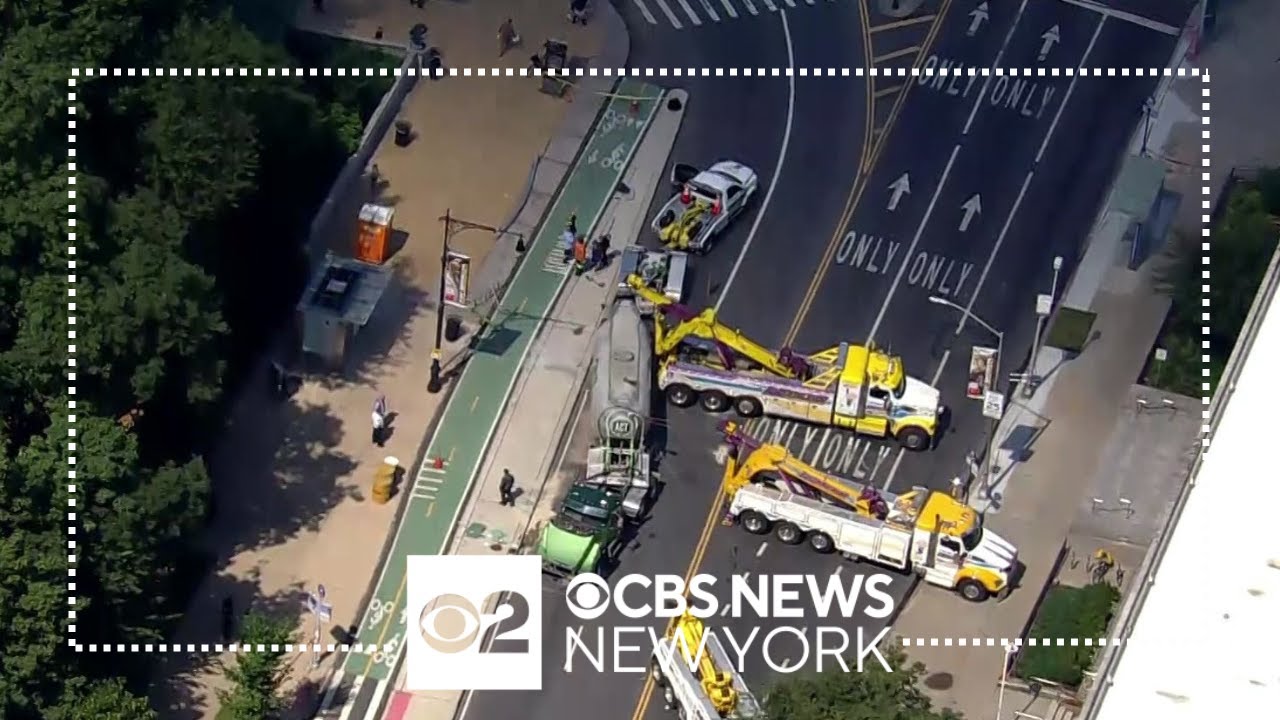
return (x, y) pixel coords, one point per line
(898, 8)
(939, 681)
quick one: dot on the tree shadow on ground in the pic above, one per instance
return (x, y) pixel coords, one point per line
(183, 688)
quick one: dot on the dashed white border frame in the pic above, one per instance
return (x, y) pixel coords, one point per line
(78, 73)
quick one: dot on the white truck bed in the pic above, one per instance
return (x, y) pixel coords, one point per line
(664, 270)
(852, 534)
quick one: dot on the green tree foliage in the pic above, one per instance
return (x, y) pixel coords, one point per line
(192, 198)
(256, 676)
(1068, 612)
(1240, 249)
(872, 694)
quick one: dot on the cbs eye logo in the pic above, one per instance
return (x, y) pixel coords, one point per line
(451, 624)
(587, 596)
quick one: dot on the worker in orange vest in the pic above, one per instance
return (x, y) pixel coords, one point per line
(579, 255)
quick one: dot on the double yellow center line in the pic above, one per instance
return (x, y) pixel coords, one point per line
(870, 154)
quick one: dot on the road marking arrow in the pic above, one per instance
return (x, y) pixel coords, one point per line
(898, 188)
(971, 207)
(1050, 38)
(978, 16)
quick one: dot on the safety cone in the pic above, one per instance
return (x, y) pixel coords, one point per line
(438, 463)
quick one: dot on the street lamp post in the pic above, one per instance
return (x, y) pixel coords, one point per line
(435, 382)
(991, 443)
(1044, 307)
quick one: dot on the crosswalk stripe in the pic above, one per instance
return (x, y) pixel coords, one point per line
(808, 2)
(729, 8)
(644, 10)
(750, 8)
(710, 10)
(689, 11)
(790, 3)
(769, 4)
(666, 10)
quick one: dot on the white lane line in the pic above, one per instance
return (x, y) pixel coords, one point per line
(644, 10)
(666, 10)
(915, 240)
(769, 4)
(1071, 86)
(1004, 230)
(729, 8)
(1126, 16)
(706, 5)
(693, 18)
(777, 169)
(1000, 54)
(760, 550)
(751, 8)
(808, 2)
(790, 3)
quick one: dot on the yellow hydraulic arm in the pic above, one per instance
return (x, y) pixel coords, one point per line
(704, 326)
(749, 457)
(716, 683)
(683, 227)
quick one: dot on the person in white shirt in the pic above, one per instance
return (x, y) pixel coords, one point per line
(379, 417)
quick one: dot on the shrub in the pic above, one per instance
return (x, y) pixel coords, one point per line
(1067, 612)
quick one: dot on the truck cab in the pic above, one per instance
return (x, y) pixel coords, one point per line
(585, 529)
(874, 396)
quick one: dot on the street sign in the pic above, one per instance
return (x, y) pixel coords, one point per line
(1161, 354)
(324, 611)
(993, 405)
(316, 605)
(1044, 305)
(982, 369)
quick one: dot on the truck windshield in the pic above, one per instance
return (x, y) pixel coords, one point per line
(971, 539)
(587, 514)
(900, 389)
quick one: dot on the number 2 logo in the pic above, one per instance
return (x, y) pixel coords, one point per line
(451, 624)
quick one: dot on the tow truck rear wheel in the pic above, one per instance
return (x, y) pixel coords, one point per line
(972, 590)
(913, 438)
(821, 542)
(748, 407)
(754, 522)
(655, 672)
(682, 396)
(714, 401)
(789, 534)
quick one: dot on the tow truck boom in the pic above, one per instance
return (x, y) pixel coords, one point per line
(716, 683)
(693, 669)
(702, 329)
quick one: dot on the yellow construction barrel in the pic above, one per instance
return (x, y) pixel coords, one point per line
(384, 479)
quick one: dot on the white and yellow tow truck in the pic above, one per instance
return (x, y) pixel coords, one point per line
(931, 533)
(696, 675)
(856, 387)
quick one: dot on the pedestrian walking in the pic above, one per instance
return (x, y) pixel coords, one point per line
(228, 618)
(375, 180)
(507, 36)
(379, 417)
(578, 12)
(568, 239)
(507, 488)
(600, 252)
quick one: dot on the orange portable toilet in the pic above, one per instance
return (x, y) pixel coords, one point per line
(373, 236)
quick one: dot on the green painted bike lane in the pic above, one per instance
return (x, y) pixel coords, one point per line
(472, 413)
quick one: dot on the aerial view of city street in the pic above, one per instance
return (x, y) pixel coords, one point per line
(633, 359)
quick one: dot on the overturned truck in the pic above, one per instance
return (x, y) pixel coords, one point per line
(616, 488)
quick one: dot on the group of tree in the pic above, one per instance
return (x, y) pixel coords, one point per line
(872, 693)
(1241, 243)
(191, 201)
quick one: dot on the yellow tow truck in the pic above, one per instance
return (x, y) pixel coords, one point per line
(929, 532)
(696, 675)
(857, 387)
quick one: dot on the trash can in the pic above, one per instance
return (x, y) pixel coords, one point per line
(384, 479)
(452, 328)
(404, 133)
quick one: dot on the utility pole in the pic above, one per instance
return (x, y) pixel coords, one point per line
(1044, 307)
(452, 226)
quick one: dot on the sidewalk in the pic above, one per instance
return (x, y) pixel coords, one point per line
(535, 444)
(292, 479)
(1037, 502)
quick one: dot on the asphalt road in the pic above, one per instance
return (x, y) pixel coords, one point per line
(745, 119)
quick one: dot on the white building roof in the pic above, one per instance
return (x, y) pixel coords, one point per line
(1206, 642)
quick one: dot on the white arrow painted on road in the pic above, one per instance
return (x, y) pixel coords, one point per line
(899, 187)
(978, 16)
(971, 207)
(1050, 38)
